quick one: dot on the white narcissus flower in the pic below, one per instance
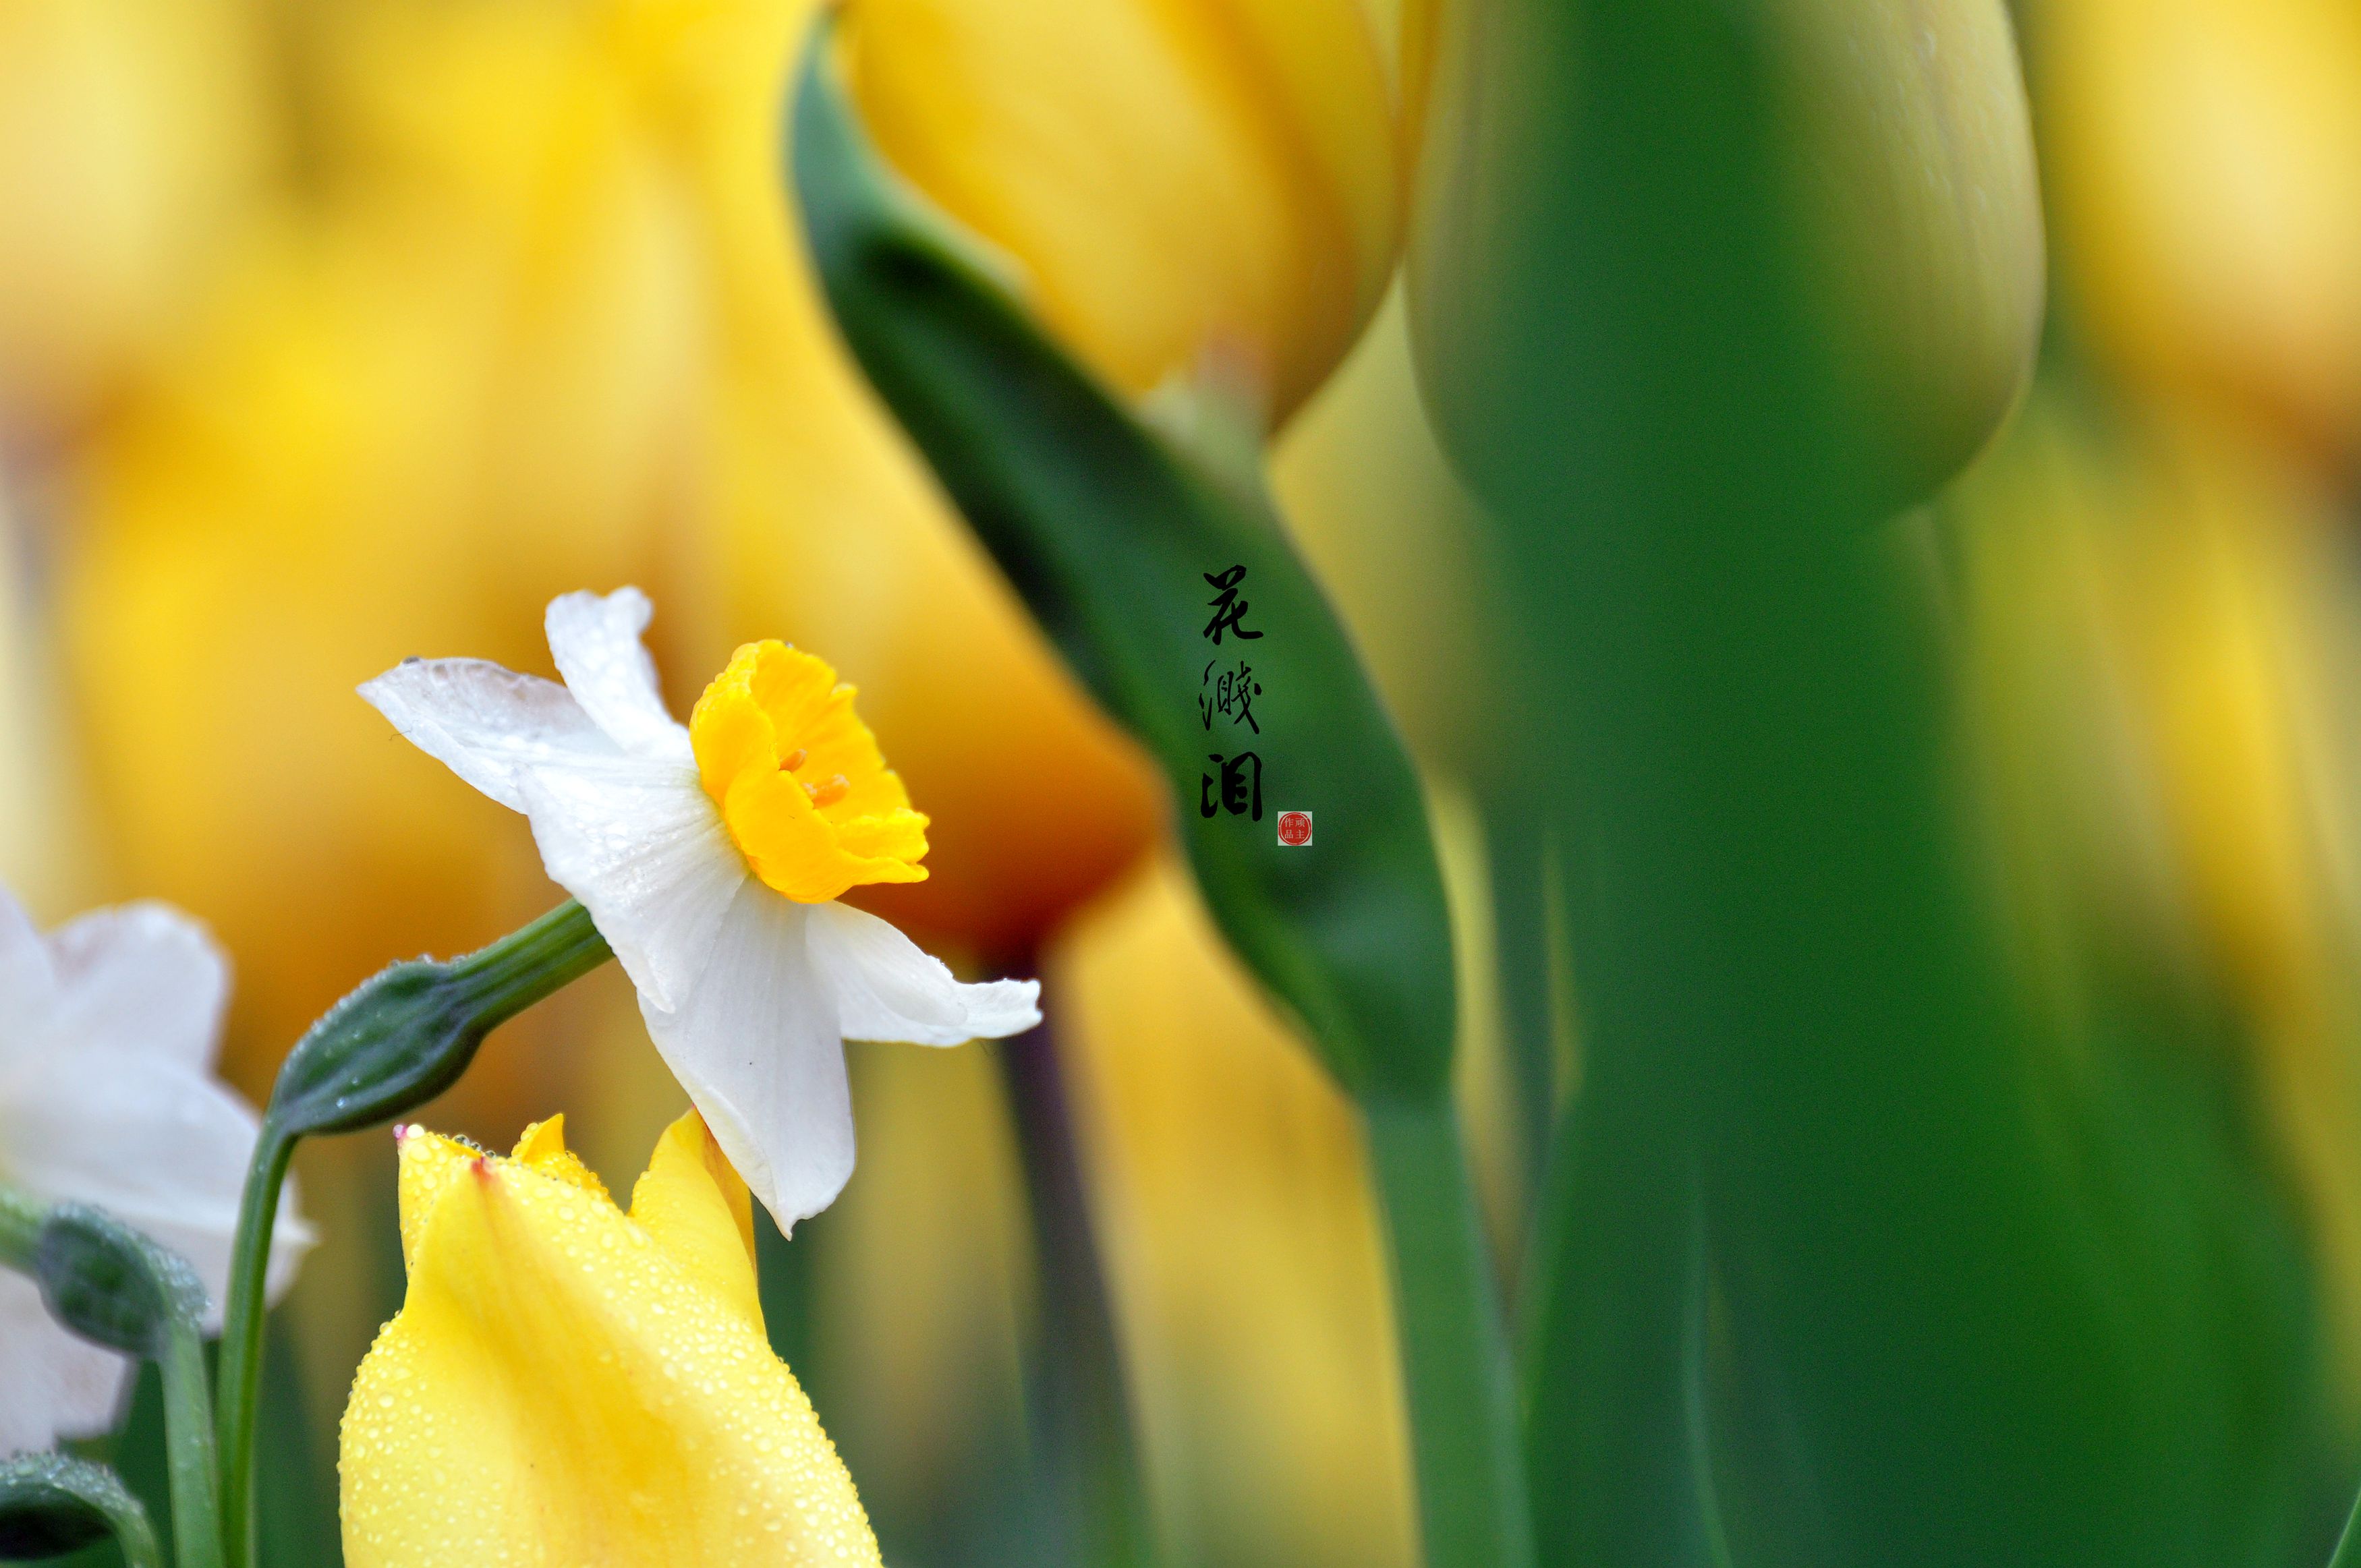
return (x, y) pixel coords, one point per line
(109, 1030)
(710, 858)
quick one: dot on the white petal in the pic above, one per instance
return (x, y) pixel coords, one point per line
(596, 644)
(51, 1384)
(158, 1144)
(756, 1046)
(486, 724)
(27, 983)
(640, 843)
(887, 989)
(140, 977)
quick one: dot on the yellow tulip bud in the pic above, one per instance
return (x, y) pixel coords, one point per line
(2202, 157)
(570, 1383)
(1212, 180)
(1170, 175)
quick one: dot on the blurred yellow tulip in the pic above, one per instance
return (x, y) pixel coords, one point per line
(1179, 184)
(130, 137)
(566, 1383)
(2163, 625)
(2202, 159)
(1239, 1234)
(541, 320)
(1171, 176)
(1914, 176)
(921, 1302)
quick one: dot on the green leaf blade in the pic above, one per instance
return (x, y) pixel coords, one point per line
(1108, 533)
(51, 1503)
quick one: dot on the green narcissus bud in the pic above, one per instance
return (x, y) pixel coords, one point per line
(1815, 209)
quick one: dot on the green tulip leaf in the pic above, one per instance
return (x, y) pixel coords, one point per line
(1165, 578)
(50, 1505)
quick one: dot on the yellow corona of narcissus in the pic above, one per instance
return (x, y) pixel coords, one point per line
(570, 1383)
(802, 787)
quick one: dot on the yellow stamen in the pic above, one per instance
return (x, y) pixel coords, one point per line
(773, 711)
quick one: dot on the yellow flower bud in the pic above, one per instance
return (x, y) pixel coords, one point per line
(1170, 176)
(570, 1383)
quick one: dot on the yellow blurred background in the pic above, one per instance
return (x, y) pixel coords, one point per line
(340, 332)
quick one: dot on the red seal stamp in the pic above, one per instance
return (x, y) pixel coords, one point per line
(1295, 828)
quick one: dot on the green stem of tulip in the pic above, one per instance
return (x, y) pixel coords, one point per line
(190, 1449)
(1520, 859)
(1455, 1353)
(2348, 1545)
(449, 1007)
(241, 1345)
(135, 1537)
(1082, 1418)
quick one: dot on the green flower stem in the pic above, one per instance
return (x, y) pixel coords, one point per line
(189, 1448)
(502, 981)
(2348, 1545)
(133, 1534)
(240, 1374)
(1455, 1355)
(1081, 1416)
(400, 1040)
(1520, 859)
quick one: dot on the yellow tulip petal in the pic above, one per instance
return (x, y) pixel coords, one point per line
(561, 1389)
(430, 1162)
(2201, 156)
(693, 1202)
(541, 1148)
(803, 788)
(1170, 175)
